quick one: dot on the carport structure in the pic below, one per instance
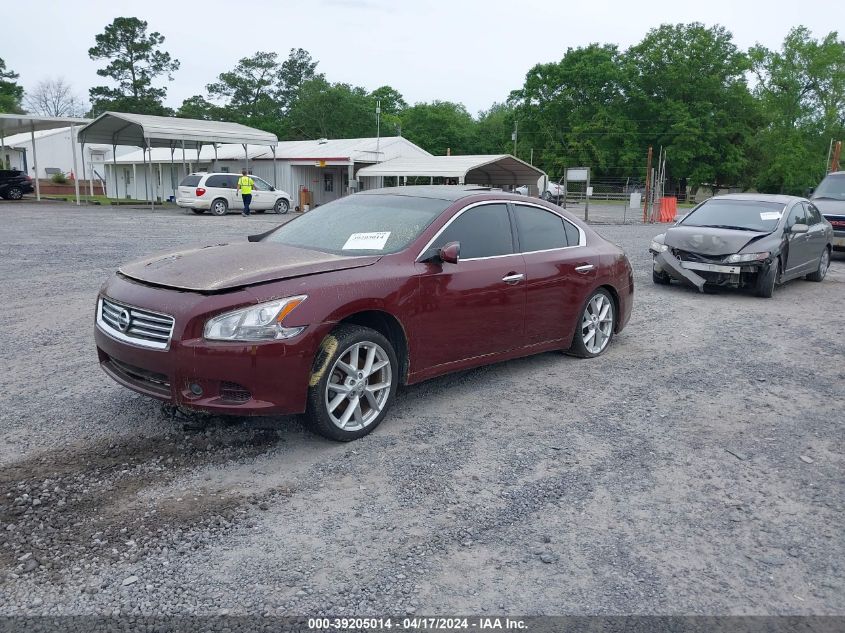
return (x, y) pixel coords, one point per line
(496, 170)
(20, 123)
(148, 131)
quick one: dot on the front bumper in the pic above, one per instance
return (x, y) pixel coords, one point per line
(215, 376)
(699, 274)
(839, 240)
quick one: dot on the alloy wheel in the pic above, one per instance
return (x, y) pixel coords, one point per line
(824, 264)
(358, 386)
(597, 323)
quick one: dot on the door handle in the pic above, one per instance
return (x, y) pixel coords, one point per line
(584, 268)
(513, 278)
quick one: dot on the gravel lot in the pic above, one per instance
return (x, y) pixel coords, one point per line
(695, 468)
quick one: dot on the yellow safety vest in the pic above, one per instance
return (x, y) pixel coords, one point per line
(246, 183)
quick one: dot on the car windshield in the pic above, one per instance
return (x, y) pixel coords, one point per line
(741, 215)
(361, 224)
(832, 187)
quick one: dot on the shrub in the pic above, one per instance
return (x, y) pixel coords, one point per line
(59, 178)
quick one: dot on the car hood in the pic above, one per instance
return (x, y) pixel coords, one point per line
(830, 207)
(710, 241)
(223, 267)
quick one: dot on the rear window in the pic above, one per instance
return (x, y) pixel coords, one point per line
(742, 215)
(190, 181)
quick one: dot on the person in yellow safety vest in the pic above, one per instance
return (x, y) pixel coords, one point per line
(245, 185)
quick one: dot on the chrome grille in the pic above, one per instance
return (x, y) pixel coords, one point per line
(134, 325)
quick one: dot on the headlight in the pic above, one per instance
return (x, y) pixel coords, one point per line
(747, 257)
(658, 247)
(262, 322)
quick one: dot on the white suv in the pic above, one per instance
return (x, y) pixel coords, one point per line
(219, 193)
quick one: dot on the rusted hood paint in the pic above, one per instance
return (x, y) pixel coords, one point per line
(708, 240)
(224, 267)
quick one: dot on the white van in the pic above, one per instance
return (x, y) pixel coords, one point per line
(219, 193)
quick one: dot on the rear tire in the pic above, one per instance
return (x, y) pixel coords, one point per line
(14, 193)
(596, 325)
(661, 279)
(219, 207)
(766, 282)
(340, 390)
(824, 264)
(547, 196)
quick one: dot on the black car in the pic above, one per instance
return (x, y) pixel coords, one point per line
(14, 184)
(745, 241)
(829, 197)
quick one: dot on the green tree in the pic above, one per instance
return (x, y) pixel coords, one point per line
(135, 61)
(801, 89)
(492, 130)
(439, 125)
(685, 87)
(324, 110)
(248, 89)
(197, 107)
(572, 112)
(10, 92)
(297, 69)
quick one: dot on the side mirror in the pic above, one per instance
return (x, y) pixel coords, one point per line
(810, 191)
(799, 228)
(450, 253)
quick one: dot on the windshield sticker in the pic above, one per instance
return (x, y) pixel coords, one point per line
(366, 241)
(770, 215)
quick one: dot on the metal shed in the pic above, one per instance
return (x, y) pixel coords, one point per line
(148, 131)
(491, 169)
(17, 123)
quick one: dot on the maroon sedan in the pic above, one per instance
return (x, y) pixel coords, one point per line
(329, 313)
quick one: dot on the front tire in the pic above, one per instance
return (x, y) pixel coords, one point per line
(661, 279)
(547, 196)
(824, 264)
(595, 326)
(353, 383)
(282, 206)
(766, 282)
(219, 207)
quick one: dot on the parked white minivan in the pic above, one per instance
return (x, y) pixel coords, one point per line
(219, 193)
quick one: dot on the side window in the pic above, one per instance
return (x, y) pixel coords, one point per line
(483, 231)
(539, 230)
(215, 181)
(813, 214)
(573, 235)
(260, 184)
(797, 216)
(231, 181)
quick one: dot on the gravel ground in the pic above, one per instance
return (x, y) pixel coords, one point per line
(695, 468)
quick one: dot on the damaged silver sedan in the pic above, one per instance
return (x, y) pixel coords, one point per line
(753, 241)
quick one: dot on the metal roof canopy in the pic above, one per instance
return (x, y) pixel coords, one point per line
(484, 169)
(17, 123)
(148, 131)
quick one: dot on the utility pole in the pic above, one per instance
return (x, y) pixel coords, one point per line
(513, 136)
(647, 183)
(378, 130)
(837, 152)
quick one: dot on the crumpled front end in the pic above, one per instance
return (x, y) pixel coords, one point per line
(699, 270)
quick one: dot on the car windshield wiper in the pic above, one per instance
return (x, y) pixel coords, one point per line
(827, 198)
(728, 226)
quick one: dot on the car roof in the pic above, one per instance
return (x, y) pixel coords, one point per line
(759, 197)
(438, 192)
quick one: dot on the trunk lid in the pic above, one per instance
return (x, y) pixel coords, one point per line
(222, 267)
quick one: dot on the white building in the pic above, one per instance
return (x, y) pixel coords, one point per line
(55, 154)
(324, 167)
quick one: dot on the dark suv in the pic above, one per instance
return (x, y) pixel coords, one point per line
(14, 183)
(829, 197)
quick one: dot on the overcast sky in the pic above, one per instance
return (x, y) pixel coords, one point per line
(471, 51)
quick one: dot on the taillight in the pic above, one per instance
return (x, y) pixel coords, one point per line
(28, 178)
(200, 192)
